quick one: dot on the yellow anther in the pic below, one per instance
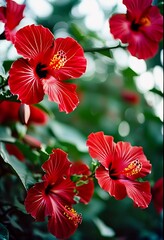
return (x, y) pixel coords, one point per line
(133, 168)
(71, 214)
(58, 61)
(145, 21)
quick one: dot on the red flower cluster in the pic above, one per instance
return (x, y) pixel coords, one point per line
(121, 165)
(141, 27)
(11, 15)
(47, 63)
(54, 196)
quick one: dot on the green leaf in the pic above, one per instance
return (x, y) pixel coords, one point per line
(7, 65)
(76, 31)
(4, 234)
(129, 81)
(19, 167)
(5, 135)
(104, 229)
(68, 134)
(7, 95)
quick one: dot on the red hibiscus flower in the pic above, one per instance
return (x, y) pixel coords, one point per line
(84, 184)
(141, 27)
(10, 113)
(11, 15)
(130, 96)
(121, 165)
(45, 66)
(54, 196)
(157, 195)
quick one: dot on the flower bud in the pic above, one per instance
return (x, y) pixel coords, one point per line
(24, 113)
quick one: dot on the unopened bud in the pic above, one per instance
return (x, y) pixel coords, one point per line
(24, 113)
(32, 142)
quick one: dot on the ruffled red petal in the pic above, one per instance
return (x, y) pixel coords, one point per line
(141, 46)
(62, 93)
(14, 14)
(61, 226)
(24, 82)
(75, 64)
(101, 147)
(136, 8)
(120, 27)
(35, 42)
(154, 31)
(57, 165)
(114, 187)
(139, 192)
(37, 203)
(125, 154)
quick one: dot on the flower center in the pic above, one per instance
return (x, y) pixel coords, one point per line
(41, 70)
(48, 189)
(72, 215)
(133, 168)
(59, 59)
(142, 22)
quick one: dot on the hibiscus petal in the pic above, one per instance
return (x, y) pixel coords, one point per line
(62, 93)
(136, 8)
(101, 147)
(37, 116)
(14, 14)
(37, 203)
(141, 46)
(34, 42)
(61, 226)
(57, 164)
(139, 192)
(64, 189)
(154, 31)
(114, 187)
(120, 27)
(57, 169)
(10, 111)
(125, 154)
(75, 64)
(85, 192)
(24, 83)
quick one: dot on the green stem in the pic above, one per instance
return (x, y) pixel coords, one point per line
(104, 48)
